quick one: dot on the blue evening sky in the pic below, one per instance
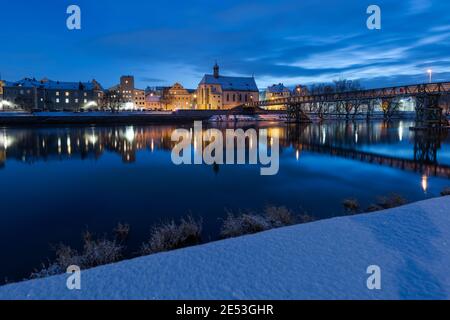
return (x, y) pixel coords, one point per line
(289, 41)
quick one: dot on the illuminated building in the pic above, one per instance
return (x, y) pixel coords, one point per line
(221, 92)
(31, 94)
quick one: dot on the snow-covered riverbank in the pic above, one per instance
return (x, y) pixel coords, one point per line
(321, 260)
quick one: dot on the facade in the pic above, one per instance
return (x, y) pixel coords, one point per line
(139, 98)
(126, 96)
(153, 102)
(177, 97)
(221, 92)
(277, 91)
(31, 94)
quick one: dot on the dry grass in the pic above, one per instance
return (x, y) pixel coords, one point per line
(351, 205)
(279, 216)
(234, 226)
(249, 223)
(170, 236)
(391, 201)
(445, 192)
(95, 252)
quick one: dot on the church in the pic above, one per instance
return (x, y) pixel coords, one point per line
(221, 92)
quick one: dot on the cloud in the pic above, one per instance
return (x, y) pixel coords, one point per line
(419, 6)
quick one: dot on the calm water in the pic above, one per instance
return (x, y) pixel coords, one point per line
(56, 182)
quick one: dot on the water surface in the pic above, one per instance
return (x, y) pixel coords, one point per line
(55, 182)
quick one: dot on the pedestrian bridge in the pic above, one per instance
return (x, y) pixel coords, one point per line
(428, 98)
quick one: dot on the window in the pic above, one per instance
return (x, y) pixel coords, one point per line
(57, 100)
(67, 93)
(85, 94)
(67, 101)
(57, 93)
(85, 100)
(76, 100)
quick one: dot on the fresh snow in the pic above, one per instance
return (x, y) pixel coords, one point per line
(321, 260)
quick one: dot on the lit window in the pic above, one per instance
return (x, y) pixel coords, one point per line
(85, 94)
(85, 100)
(76, 100)
(67, 100)
(57, 93)
(67, 94)
(57, 100)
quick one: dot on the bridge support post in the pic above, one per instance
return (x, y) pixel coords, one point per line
(429, 114)
(295, 113)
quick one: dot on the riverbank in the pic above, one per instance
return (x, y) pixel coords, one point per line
(326, 259)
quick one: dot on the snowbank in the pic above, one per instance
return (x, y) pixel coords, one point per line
(321, 260)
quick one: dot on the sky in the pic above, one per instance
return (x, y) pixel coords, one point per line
(161, 42)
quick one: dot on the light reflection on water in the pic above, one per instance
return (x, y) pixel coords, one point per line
(54, 182)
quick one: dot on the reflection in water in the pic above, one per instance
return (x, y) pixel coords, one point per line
(425, 183)
(344, 139)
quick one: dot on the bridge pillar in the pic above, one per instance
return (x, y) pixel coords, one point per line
(295, 113)
(429, 114)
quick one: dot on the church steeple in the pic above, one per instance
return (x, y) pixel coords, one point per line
(216, 70)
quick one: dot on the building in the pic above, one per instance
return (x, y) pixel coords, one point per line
(139, 98)
(153, 101)
(222, 92)
(31, 94)
(126, 95)
(277, 91)
(2, 83)
(300, 90)
(177, 97)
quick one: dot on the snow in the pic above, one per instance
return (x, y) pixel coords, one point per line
(50, 84)
(321, 260)
(231, 83)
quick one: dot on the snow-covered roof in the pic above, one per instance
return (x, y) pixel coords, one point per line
(231, 83)
(277, 88)
(55, 85)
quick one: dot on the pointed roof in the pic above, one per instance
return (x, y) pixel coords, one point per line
(231, 83)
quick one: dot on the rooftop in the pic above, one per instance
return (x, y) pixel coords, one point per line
(231, 83)
(50, 84)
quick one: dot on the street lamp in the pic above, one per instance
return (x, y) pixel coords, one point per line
(430, 74)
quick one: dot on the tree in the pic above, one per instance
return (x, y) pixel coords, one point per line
(24, 101)
(345, 85)
(166, 98)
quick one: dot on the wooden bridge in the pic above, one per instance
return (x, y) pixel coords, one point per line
(428, 97)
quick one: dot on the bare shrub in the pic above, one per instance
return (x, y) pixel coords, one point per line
(351, 205)
(100, 252)
(305, 218)
(122, 232)
(279, 216)
(391, 201)
(374, 208)
(96, 252)
(172, 236)
(234, 226)
(445, 192)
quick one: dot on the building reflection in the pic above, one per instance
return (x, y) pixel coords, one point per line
(343, 139)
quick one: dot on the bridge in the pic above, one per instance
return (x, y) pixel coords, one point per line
(428, 98)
